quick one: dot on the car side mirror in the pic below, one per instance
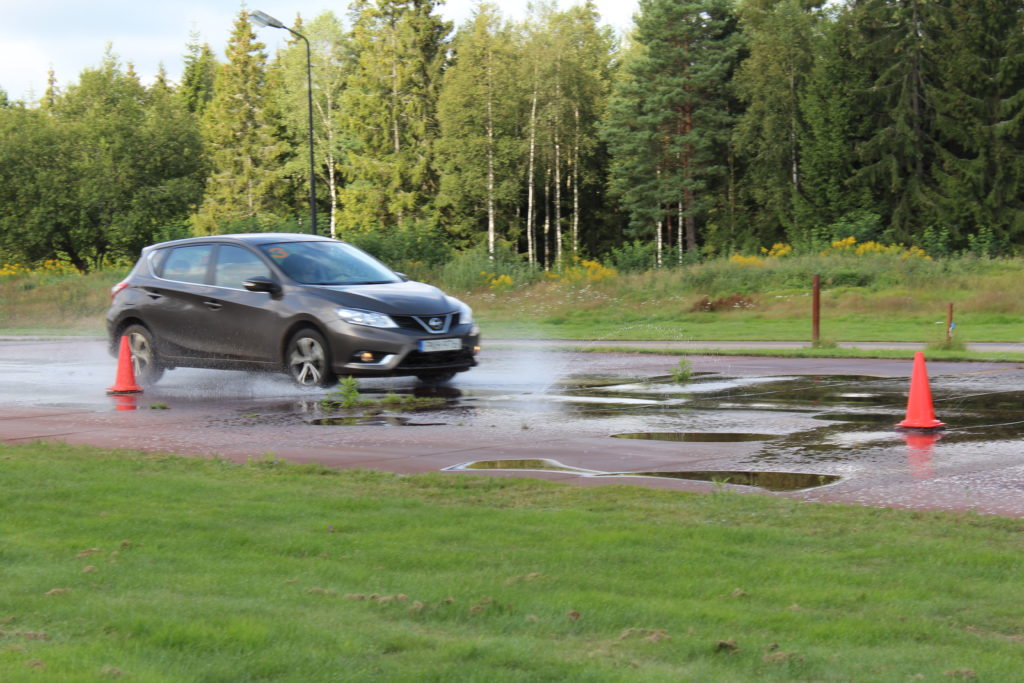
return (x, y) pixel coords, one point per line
(262, 284)
(405, 278)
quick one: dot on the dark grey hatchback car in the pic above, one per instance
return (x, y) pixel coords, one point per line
(310, 306)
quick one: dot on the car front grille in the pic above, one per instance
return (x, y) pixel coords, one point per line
(421, 323)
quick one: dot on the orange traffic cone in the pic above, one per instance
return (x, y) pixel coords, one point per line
(125, 381)
(920, 413)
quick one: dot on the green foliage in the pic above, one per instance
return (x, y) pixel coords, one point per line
(410, 248)
(345, 395)
(478, 149)
(731, 125)
(683, 372)
(388, 113)
(670, 115)
(633, 257)
(239, 134)
(103, 169)
(473, 268)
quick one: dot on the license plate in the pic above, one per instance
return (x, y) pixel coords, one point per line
(429, 345)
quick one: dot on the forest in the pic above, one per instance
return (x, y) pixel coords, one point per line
(715, 127)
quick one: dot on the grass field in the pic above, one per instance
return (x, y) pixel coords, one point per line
(159, 568)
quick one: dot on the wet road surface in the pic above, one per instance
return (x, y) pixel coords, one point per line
(815, 430)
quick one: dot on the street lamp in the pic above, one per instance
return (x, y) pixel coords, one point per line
(263, 19)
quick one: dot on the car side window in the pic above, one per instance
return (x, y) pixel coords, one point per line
(235, 265)
(187, 264)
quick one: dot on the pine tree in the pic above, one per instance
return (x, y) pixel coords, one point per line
(773, 81)
(198, 76)
(389, 114)
(899, 44)
(241, 145)
(670, 117)
(833, 124)
(981, 123)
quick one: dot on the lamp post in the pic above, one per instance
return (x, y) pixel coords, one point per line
(263, 19)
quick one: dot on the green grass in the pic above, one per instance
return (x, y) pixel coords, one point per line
(159, 568)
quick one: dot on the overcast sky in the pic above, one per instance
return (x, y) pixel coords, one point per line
(70, 35)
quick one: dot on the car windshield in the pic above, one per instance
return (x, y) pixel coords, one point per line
(328, 263)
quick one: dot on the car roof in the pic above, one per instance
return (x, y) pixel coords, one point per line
(254, 238)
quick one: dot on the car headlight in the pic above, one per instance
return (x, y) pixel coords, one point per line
(368, 318)
(465, 313)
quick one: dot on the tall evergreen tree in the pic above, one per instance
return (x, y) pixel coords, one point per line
(389, 113)
(241, 144)
(899, 44)
(772, 80)
(981, 122)
(833, 124)
(198, 76)
(670, 118)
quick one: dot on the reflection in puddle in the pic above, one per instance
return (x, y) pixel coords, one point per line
(771, 481)
(697, 437)
(536, 464)
(919, 453)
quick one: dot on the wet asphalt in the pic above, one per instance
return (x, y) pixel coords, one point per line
(814, 430)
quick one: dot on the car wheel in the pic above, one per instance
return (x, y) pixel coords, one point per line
(145, 361)
(308, 360)
(435, 377)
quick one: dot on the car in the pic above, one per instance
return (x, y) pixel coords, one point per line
(313, 307)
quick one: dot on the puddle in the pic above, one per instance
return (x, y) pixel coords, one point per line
(770, 481)
(697, 437)
(535, 464)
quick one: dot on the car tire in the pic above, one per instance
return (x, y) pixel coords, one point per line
(435, 377)
(145, 360)
(308, 359)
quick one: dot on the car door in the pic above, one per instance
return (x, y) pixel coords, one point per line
(174, 308)
(247, 325)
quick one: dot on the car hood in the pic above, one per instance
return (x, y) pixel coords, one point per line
(395, 298)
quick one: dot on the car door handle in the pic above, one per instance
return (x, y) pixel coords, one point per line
(154, 294)
(212, 305)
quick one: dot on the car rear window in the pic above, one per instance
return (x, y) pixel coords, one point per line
(186, 264)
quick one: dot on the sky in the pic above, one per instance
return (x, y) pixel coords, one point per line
(71, 35)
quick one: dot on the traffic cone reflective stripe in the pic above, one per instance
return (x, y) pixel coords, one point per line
(920, 412)
(124, 383)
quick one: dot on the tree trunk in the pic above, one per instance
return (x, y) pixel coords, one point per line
(530, 248)
(679, 232)
(547, 218)
(659, 245)
(490, 161)
(558, 197)
(575, 180)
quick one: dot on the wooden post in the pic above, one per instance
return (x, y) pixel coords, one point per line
(816, 311)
